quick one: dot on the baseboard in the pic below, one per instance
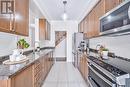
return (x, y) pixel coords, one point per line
(60, 58)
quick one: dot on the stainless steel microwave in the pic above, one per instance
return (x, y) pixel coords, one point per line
(117, 20)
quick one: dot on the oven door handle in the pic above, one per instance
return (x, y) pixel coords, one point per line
(104, 79)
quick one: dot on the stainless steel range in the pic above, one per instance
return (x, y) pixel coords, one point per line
(102, 74)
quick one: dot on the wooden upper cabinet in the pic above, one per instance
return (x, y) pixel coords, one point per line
(5, 22)
(48, 30)
(6, 17)
(98, 14)
(17, 21)
(42, 29)
(21, 25)
(110, 4)
(91, 23)
(81, 27)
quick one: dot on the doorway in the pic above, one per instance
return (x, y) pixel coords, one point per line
(60, 53)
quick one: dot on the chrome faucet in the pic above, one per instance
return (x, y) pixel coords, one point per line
(37, 47)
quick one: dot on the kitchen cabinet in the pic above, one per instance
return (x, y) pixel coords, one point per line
(83, 66)
(42, 68)
(48, 30)
(97, 15)
(81, 26)
(110, 4)
(21, 20)
(4, 83)
(90, 25)
(23, 79)
(5, 23)
(38, 73)
(44, 29)
(16, 22)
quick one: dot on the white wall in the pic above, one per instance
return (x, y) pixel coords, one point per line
(8, 42)
(60, 50)
(119, 45)
(70, 27)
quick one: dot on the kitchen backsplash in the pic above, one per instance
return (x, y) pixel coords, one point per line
(120, 45)
(8, 43)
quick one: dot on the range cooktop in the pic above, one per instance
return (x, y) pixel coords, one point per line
(114, 70)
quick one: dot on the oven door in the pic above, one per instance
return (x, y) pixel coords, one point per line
(97, 79)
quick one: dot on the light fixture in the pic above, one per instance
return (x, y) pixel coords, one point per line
(64, 15)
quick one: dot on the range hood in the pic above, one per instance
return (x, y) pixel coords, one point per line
(116, 21)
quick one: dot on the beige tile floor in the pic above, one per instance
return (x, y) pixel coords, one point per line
(64, 74)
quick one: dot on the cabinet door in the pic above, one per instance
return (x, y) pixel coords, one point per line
(81, 68)
(91, 24)
(100, 6)
(22, 17)
(42, 29)
(85, 69)
(6, 22)
(85, 25)
(4, 83)
(6, 16)
(23, 79)
(110, 4)
(81, 27)
(48, 29)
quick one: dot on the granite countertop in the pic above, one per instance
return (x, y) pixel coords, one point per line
(7, 71)
(119, 63)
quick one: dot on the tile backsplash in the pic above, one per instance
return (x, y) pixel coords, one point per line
(120, 45)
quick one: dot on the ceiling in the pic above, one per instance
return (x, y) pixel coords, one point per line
(76, 9)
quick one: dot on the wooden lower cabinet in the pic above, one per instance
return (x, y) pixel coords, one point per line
(23, 79)
(32, 76)
(83, 68)
(4, 83)
(41, 69)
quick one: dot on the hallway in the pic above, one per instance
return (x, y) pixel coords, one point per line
(64, 74)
